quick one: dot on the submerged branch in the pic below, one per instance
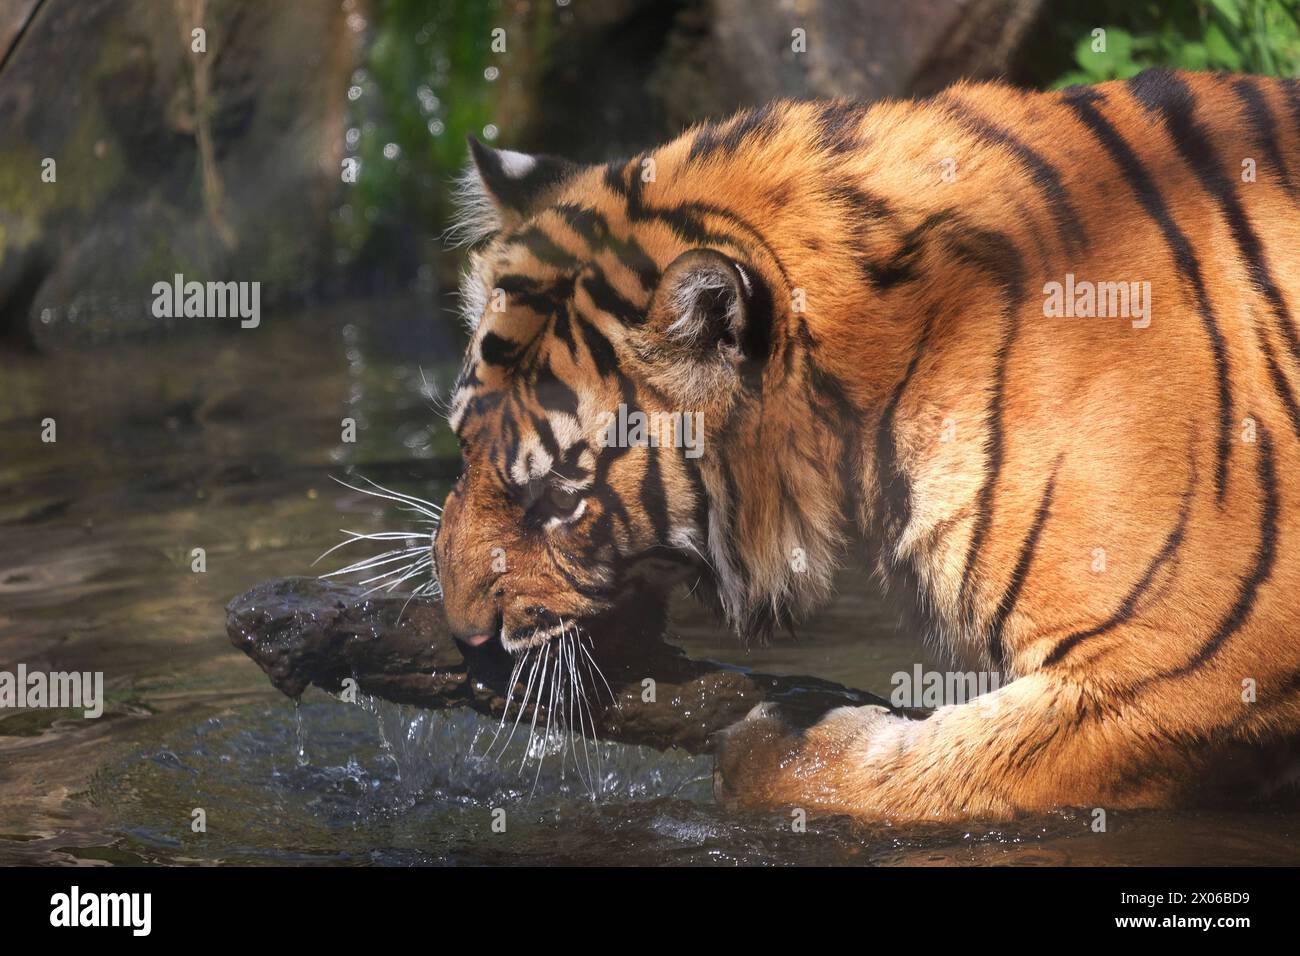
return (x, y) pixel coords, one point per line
(302, 631)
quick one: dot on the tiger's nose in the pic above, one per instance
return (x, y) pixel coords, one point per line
(480, 635)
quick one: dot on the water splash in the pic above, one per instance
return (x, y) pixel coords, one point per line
(300, 739)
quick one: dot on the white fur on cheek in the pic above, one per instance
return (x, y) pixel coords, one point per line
(473, 296)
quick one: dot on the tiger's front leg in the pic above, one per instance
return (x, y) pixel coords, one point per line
(1017, 749)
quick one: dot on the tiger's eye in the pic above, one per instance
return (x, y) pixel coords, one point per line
(561, 499)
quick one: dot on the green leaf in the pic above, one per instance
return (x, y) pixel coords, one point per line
(1116, 59)
(1074, 78)
(1192, 56)
(1219, 50)
(1230, 10)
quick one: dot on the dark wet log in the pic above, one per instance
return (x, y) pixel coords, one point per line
(301, 632)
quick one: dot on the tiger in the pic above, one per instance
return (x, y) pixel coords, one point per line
(862, 303)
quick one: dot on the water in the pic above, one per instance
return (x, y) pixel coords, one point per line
(227, 444)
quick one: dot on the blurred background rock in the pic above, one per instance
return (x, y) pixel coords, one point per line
(228, 163)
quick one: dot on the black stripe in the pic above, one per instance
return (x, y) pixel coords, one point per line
(862, 205)
(468, 376)
(552, 393)
(996, 253)
(894, 504)
(542, 428)
(615, 176)
(587, 590)
(756, 336)
(1265, 557)
(1020, 573)
(1280, 384)
(542, 298)
(602, 352)
(901, 266)
(653, 497)
(838, 126)
(1163, 93)
(543, 248)
(613, 505)
(685, 219)
(482, 404)
(1128, 607)
(860, 213)
(1038, 744)
(1264, 126)
(757, 123)
(1082, 101)
(594, 229)
(1046, 177)
(831, 404)
(563, 331)
(570, 466)
(496, 350)
(608, 299)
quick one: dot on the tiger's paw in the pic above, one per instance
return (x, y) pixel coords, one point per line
(761, 762)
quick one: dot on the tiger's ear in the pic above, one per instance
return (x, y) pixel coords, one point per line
(712, 307)
(503, 188)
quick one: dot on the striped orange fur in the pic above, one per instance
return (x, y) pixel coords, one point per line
(852, 297)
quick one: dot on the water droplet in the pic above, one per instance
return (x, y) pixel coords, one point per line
(300, 739)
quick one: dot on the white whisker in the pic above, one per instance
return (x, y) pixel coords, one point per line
(550, 720)
(355, 536)
(400, 565)
(379, 491)
(591, 661)
(532, 730)
(378, 561)
(510, 695)
(406, 570)
(532, 673)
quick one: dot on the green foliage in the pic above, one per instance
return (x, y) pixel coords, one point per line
(422, 89)
(1241, 36)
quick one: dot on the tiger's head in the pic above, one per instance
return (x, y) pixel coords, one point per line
(627, 418)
